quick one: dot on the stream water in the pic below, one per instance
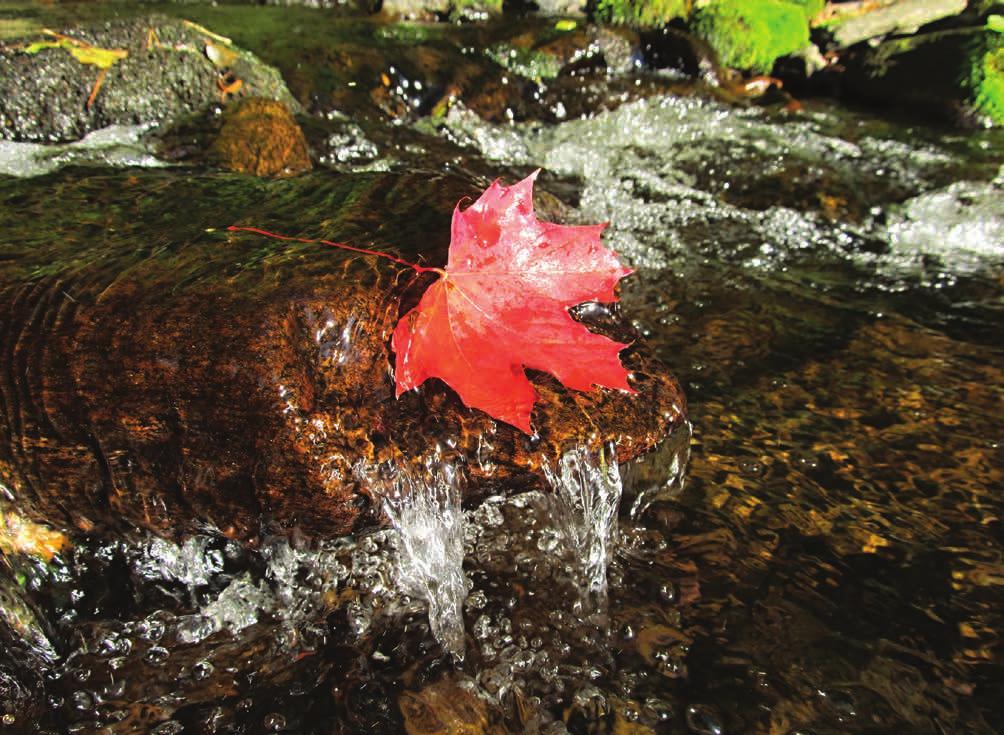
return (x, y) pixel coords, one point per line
(822, 555)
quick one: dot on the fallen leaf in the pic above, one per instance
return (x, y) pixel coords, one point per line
(103, 58)
(502, 304)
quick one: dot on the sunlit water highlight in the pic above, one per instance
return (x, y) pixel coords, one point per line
(585, 497)
(425, 512)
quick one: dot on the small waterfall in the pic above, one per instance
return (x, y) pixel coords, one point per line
(586, 487)
(424, 509)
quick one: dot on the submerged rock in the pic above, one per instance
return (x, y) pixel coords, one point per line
(452, 706)
(261, 137)
(190, 379)
(162, 69)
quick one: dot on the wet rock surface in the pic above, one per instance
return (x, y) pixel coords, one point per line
(48, 95)
(260, 137)
(945, 60)
(238, 382)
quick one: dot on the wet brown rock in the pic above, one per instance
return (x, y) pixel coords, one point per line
(447, 707)
(188, 380)
(261, 137)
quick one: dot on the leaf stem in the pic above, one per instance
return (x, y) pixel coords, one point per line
(341, 246)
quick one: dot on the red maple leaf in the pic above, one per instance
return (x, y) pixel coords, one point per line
(501, 305)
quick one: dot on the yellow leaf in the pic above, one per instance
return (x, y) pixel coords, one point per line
(34, 48)
(103, 58)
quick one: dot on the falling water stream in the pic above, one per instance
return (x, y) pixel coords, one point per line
(584, 499)
(425, 512)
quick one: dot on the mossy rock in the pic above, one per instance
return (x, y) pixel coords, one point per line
(753, 34)
(985, 81)
(955, 75)
(261, 137)
(642, 13)
(811, 8)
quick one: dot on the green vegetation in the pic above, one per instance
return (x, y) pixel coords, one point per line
(641, 13)
(811, 8)
(986, 80)
(752, 34)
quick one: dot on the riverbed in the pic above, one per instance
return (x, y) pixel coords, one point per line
(818, 552)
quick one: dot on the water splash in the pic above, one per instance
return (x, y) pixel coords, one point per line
(658, 475)
(116, 145)
(587, 490)
(424, 510)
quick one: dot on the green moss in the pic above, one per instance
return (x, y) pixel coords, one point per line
(986, 79)
(641, 13)
(811, 8)
(752, 34)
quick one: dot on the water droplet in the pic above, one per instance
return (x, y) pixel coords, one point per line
(156, 656)
(274, 722)
(82, 700)
(704, 720)
(548, 540)
(840, 702)
(657, 709)
(668, 592)
(202, 670)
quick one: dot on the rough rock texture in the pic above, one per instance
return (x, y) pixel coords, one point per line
(167, 74)
(261, 137)
(905, 16)
(561, 7)
(173, 379)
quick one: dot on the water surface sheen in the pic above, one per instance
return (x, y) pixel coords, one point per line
(828, 287)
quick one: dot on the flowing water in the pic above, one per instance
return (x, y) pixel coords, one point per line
(822, 555)
(425, 512)
(585, 500)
